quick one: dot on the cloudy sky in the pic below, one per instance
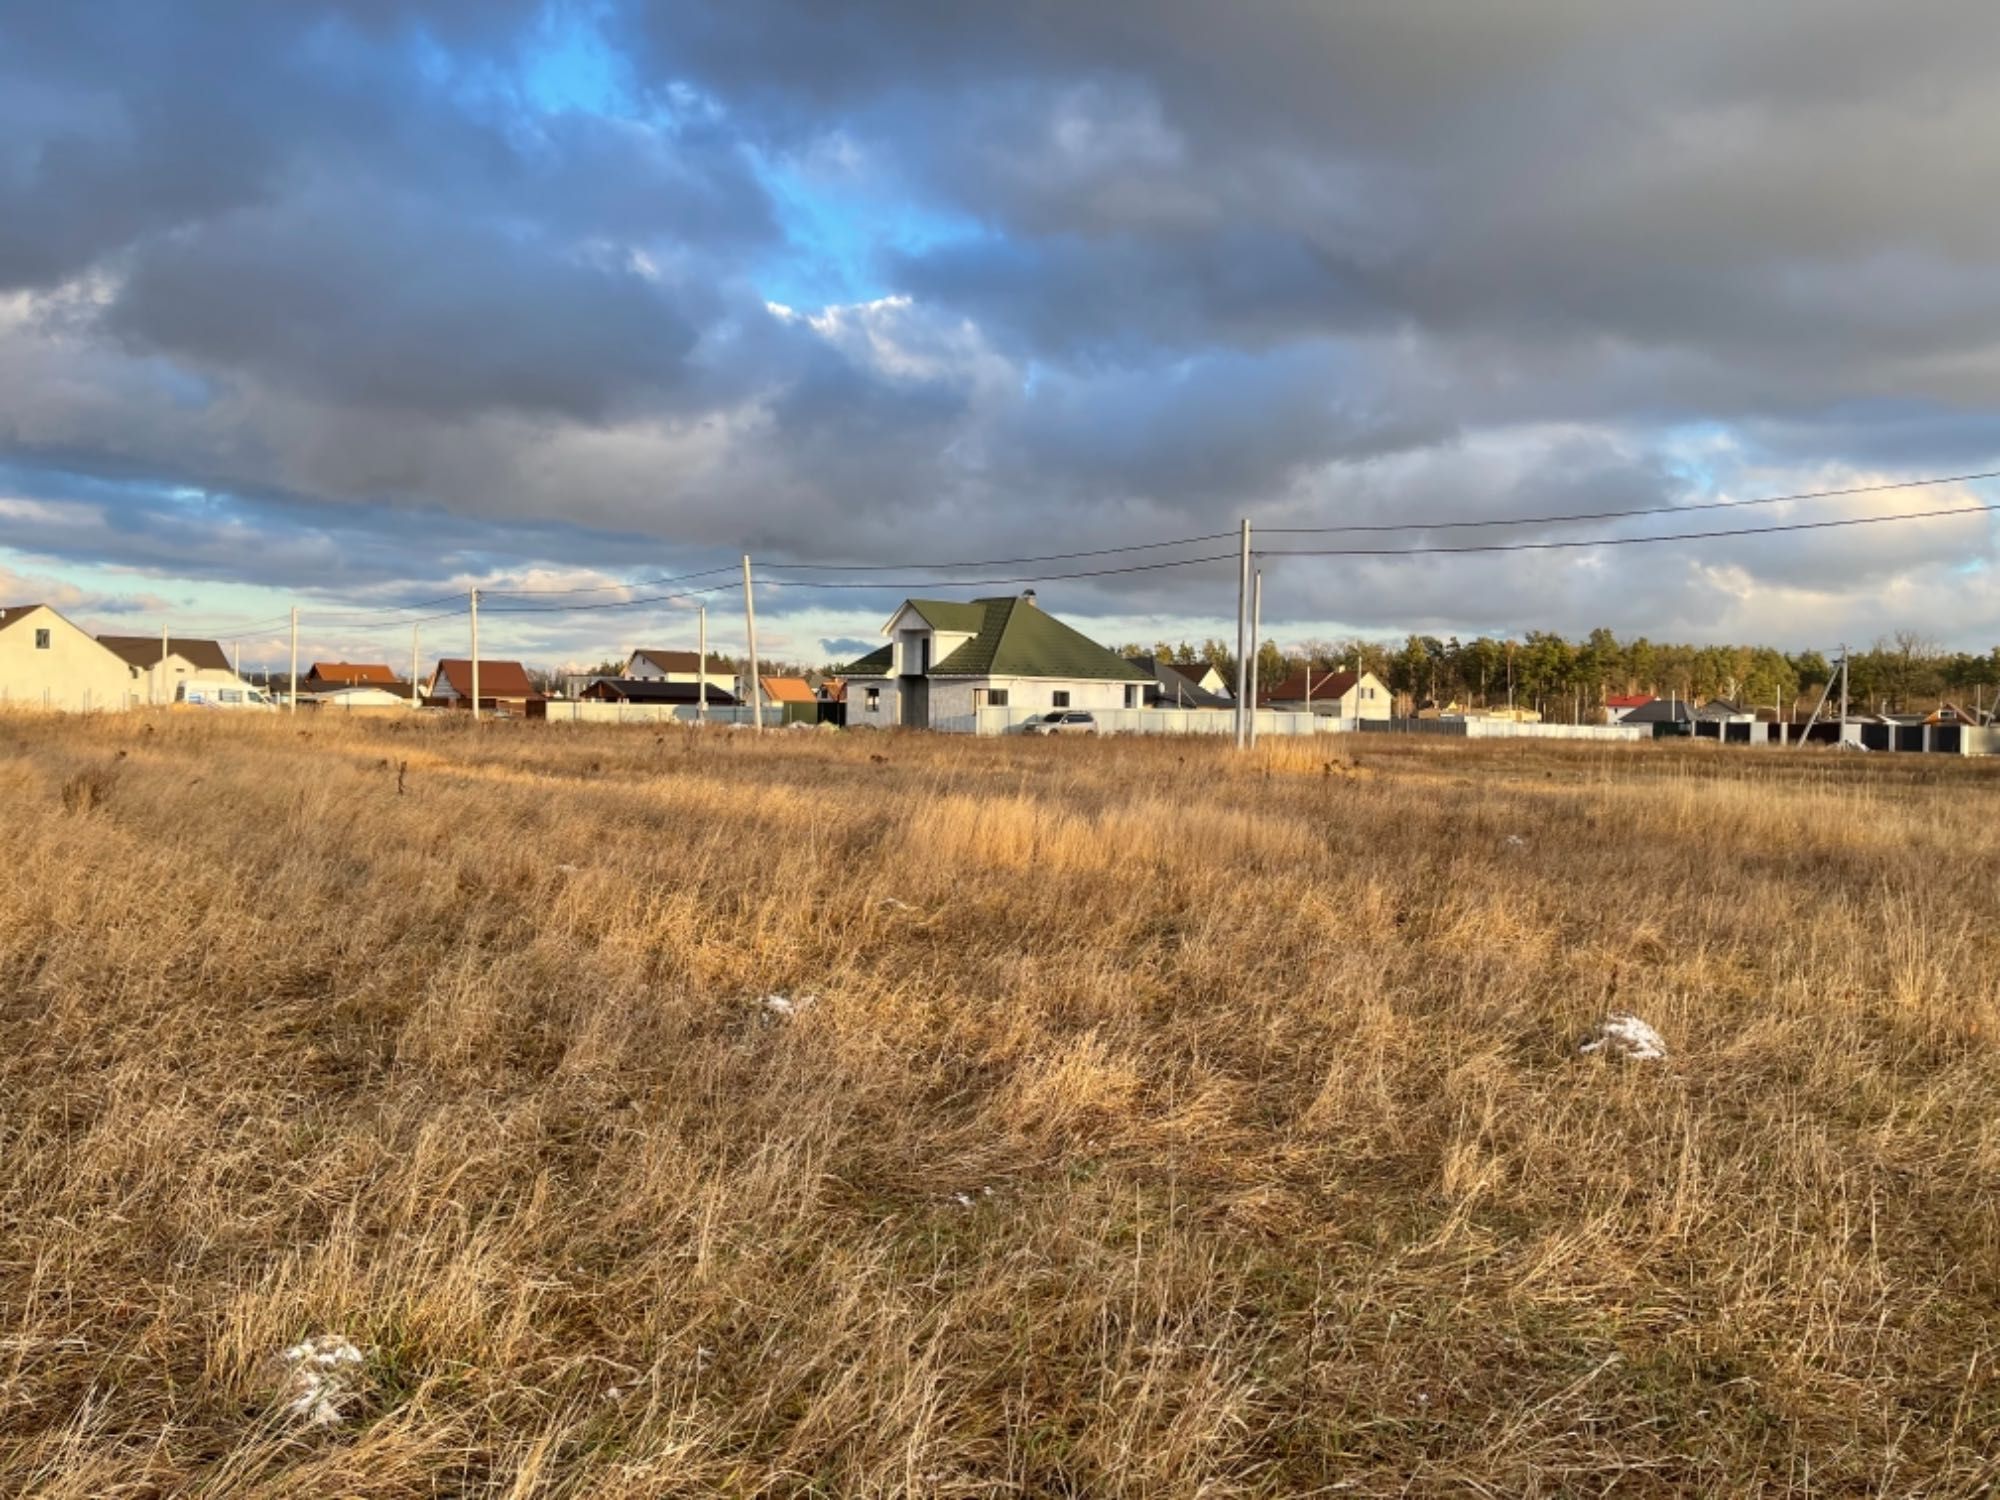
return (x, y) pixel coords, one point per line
(353, 304)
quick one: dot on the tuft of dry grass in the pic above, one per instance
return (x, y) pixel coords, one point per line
(1163, 1122)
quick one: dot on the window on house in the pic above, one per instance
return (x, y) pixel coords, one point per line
(996, 697)
(874, 704)
(41, 640)
(1059, 699)
(1130, 690)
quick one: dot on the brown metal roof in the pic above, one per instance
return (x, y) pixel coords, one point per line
(144, 651)
(789, 690)
(497, 679)
(352, 672)
(676, 661)
(1293, 688)
(13, 614)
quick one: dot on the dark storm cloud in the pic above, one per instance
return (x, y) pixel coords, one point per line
(1146, 268)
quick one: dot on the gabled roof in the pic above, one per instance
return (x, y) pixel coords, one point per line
(1295, 688)
(351, 672)
(671, 661)
(949, 615)
(1628, 700)
(788, 690)
(144, 651)
(13, 614)
(1017, 638)
(497, 679)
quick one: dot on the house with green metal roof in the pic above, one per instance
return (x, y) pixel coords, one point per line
(983, 666)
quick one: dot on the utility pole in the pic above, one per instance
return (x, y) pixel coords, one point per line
(475, 657)
(1843, 690)
(160, 692)
(236, 659)
(1242, 640)
(1256, 630)
(413, 668)
(292, 699)
(701, 669)
(750, 623)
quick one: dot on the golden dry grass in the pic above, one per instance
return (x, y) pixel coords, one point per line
(1259, 1078)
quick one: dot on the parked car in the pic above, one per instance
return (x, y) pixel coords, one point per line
(1062, 721)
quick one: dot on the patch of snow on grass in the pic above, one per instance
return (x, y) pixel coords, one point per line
(322, 1375)
(1626, 1036)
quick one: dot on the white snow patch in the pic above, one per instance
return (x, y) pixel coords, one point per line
(1626, 1036)
(1515, 841)
(321, 1376)
(785, 1007)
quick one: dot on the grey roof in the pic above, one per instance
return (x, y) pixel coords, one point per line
(1170, 689)
(1661, 711)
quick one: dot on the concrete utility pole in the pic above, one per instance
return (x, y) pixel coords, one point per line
(160, 677)
(701, 670)
(413, 668)
(1242, 641)
(1256, 633)
(292, 699)
(750, 623)
(475, 656)
(1843, 690)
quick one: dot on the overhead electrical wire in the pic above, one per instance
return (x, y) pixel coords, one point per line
(1001, 562)
(1623, 541)
(1646, 510)
(602, 588)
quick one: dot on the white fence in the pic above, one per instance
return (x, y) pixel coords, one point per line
(1146, 721)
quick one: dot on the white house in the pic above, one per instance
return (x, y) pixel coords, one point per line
(946, 661)
(46, 662)
(647, 665)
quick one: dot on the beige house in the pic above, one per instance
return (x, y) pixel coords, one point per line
(161, 674)
(46, 662)
(1342, 695)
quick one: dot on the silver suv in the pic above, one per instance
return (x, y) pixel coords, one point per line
(1062, 721)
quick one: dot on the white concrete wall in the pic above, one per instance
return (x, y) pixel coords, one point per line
(885, 715)
(73, 675)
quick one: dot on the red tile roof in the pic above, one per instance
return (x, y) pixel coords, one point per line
(1628, 700)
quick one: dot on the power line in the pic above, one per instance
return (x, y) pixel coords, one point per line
(919, 583)
(1648, 510)
(563, 609)
(999, 562)
(601, 588)
(1624, 541)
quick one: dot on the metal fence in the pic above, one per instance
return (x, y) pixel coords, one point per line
(1507, 729)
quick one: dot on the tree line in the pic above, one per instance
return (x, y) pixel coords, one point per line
(1559, 677)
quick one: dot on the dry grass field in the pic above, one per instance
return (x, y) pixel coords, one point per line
(1145, 1120)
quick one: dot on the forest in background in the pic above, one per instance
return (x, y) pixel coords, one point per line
(1555, 675)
